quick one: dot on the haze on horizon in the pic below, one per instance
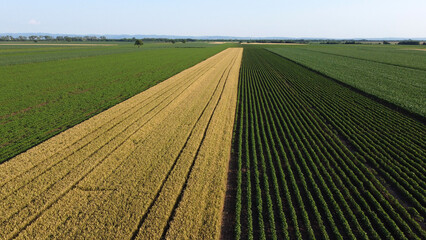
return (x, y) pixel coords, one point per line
(268, 18)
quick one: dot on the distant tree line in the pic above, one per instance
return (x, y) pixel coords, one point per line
(184, 40)
(340, 42)
(165, 40)
(50, 38)
(405, 42)
(409, 42)
(90, 39)
(331, 42)
(351, 42)
(276, 41)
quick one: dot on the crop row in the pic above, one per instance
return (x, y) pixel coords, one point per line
(399, 84)
(318, 161)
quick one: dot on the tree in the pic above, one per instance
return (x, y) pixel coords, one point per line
(172, 41)
(183, 41)
(138, 43)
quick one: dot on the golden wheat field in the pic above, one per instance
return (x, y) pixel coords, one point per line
(139, 170)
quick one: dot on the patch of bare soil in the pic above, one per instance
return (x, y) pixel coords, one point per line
(415, 49)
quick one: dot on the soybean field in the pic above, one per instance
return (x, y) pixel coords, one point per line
(396, 74)
(316, 160)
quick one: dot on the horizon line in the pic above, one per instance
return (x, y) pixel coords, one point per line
(216, 36)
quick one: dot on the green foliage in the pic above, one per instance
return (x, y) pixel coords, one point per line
(303, 142)
(138, 43)
(389, 73)
(409, 42)
(350, 42)
(41, 99)
(330, 42)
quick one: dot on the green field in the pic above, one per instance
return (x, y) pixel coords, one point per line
(31, 53)
(10, 55)
(329, 141)
(316, 160)
(396, 74)
(47, 89)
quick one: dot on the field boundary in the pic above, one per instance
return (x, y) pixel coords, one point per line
(228, 212)
(382, 101)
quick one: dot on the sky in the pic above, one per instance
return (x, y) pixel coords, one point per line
(266, 18)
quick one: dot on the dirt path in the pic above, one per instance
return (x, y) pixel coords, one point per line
(146, 168)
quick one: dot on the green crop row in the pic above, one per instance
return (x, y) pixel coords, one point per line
(319, 161)
(402, 84)
(396, 55)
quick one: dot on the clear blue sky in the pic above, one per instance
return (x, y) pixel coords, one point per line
(267, 18)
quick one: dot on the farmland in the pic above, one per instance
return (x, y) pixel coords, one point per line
(316, 160)
(393, 73)
(48, 89)
(153, 166)
(207, 141)
(402, 56)
(18, 53)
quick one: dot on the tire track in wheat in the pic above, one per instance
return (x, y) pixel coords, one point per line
(9, 176)
(67, 172)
